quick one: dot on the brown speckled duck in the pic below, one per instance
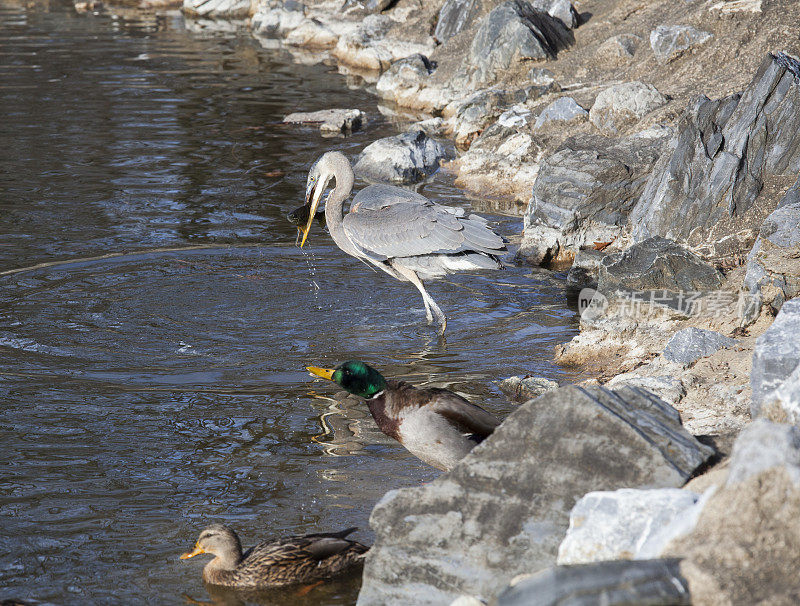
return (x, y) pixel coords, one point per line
(434, 424)
(299, 559)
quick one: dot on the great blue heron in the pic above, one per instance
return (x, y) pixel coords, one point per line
(401, 232)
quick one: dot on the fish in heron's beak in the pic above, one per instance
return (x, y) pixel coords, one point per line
(313, 193)
(325, 373)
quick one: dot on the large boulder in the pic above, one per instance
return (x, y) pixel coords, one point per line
(583, 193)
(671, 41)
(745, 547)
(614, 583)
(504, 509)
(622, 105)
(657, 264)
(773, 265)
(613, 525)
(404, 78)
(511, 33)
(562, 111)
(776, 355)
(407, 158)
(704, 193)
(455, 16)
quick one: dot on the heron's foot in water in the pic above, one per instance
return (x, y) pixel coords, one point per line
(442, 327)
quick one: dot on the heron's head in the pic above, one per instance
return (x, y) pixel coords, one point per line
(356, 377)
(217, 540)
(319, 176)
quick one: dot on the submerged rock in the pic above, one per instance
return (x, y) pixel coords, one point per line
(503, 510)
(513, 32)
(613, 525)
(776, 355)
(522, 389)
(704, 192)
(671, 41)
(615, 583)
(657, 264)
(691, 344)
(330, 121)
(406, 158)
(622, 105)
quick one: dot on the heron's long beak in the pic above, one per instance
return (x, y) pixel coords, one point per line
(325, 373)
(190, 554)
(315, 193)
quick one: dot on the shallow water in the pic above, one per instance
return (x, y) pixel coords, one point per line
(151, 369)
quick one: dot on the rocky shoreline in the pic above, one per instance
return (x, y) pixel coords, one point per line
(655, 147)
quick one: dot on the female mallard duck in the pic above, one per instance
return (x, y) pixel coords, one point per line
(435, 425)
(300, 559)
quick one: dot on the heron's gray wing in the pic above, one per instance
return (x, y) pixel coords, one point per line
(374, 197)
(412, 229)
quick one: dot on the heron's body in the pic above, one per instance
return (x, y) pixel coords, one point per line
(299, 559)
(401, 232)
(435, 425)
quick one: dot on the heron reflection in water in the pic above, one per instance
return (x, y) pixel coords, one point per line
(399, 231)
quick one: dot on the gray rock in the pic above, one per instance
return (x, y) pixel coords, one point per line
(407, 158)
(377, 6)
(510, 33)
(612, 525)
(522, 389)
(583, 272)
(783, 404)
(792, 196)
(619, 50)
(583, 194)
(539, 76)
(503, 509)
(455, 16)
(773, 265)
(560, 9)
(671, 41)
(704, 192)
(763, 445)
(277, 20)
(615, 583)
(409, 73)
(227, 9)
(563, 109)
(622, 105)
(691, 344)
(473, 114)
(776, 355)
(516, 116)
(657, 264)
(330, 121)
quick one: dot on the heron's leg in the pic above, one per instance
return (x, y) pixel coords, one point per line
(430, 304)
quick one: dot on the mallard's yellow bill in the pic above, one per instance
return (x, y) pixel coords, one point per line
(190, 554)
(325, 373)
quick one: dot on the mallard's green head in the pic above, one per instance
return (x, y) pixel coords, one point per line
(356, 377)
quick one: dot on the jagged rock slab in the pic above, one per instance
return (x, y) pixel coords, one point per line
(792, 196)
(471, 115)
(619, 50)
(745, 548)
(657, 264)
(783, 404)
(277, 20)
(583, 193)
(613, 525)
(691, 344)
(615, 583)
(562, 110)
(407, 158)
(559, 9)
(455, 16)
(705, 192)
(522, 389)
(404, 78)
(583, 271)
(504, 509)
(622, 105)
(776, 355)
(512, 32)
(773, 265)
(229, 9)
(671, 41)
(329, 120)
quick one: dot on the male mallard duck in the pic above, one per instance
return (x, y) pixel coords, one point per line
(300, 559)
(435, 425)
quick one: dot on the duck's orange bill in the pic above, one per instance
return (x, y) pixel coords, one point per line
(325, 373)
(190, 554)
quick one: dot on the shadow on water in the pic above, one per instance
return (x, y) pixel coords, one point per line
(151, 368)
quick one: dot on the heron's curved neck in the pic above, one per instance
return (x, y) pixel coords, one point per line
(334, 207)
